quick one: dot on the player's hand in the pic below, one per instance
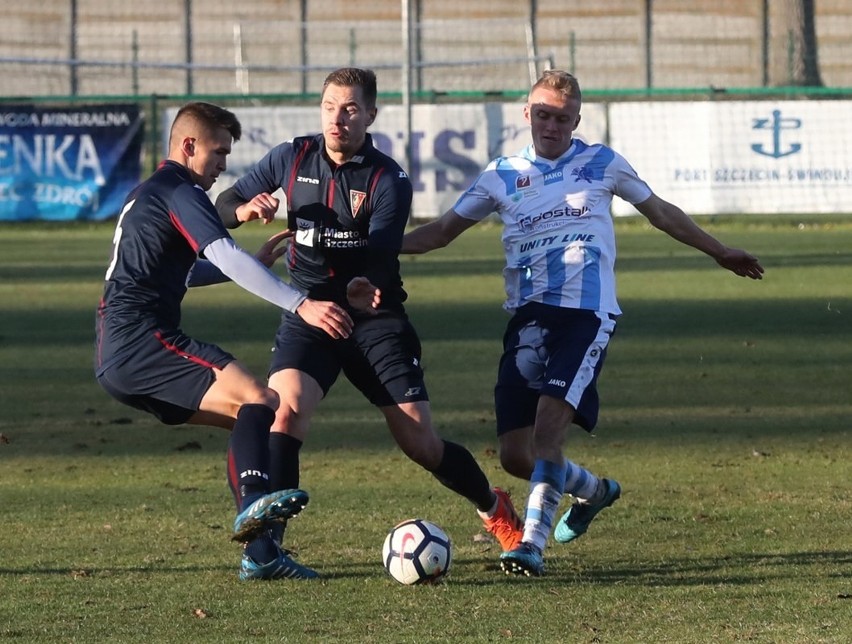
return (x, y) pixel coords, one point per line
(741, 263)
(327, 316)
(362, 295)
(262, 206)
(269, 253)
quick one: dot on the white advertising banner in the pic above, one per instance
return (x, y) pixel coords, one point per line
(450, 144)
(739, 157)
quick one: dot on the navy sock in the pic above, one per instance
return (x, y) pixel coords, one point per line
(263, 549)
(283, 461)
(283, 470)
(460, 472)
(248, 454)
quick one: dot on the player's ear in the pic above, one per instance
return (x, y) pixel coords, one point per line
(371, 116)
(187, 146)
(577, 122)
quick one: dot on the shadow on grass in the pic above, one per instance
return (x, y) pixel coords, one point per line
(54, 405)
(414, 268)
(751, 569)
(644, 319)
(53, 273)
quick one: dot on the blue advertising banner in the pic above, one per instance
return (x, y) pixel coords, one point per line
(73, 163)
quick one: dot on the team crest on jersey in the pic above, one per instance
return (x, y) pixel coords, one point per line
(356, 198)
(583, 174)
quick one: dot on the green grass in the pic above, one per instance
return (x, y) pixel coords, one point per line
(725, 417)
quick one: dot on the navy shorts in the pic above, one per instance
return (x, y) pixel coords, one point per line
(553, 351)
(381, 357)
(164, 374)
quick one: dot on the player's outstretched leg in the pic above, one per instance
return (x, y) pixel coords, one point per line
(277, 506)
(576, 520)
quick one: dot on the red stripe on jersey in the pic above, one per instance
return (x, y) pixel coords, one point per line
(100, 333)
(373, 183)
(291, 254)
(183, 231)
(332, 188)
(183, 354)
(296, 163)
(329, 198)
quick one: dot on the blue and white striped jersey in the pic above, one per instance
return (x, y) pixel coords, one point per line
(557, 228)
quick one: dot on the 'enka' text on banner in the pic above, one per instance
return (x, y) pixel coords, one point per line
(68, 163)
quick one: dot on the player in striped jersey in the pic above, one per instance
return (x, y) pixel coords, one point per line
(554, 198)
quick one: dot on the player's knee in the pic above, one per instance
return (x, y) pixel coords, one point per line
(424, 450)
(271, 398)
(261, 395)
(519, 464)
(285, 419)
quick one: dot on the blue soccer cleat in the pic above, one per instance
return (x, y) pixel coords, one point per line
(275, 507)
(282, 567)
(576, 520)
(526, 560)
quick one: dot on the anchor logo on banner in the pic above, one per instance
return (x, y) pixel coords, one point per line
(777, 124)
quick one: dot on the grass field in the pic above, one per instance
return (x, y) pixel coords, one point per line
(725, 417)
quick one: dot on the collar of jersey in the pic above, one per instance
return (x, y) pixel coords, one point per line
(546, 165)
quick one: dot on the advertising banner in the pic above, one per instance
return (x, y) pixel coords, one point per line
(734, 157)
(74, 163)
(450, 144)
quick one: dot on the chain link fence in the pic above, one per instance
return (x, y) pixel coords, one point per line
(99, 47)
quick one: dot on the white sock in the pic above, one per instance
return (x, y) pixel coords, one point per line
(581, 483)
(545, 494)
(490, 513)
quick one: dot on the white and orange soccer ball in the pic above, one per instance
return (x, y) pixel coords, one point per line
(417, 551)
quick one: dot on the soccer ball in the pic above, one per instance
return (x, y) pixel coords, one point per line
(417, 552)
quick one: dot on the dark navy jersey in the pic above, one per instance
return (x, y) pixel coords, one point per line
(165, 223)
(348, 220)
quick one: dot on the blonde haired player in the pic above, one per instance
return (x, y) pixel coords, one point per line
(553, 198)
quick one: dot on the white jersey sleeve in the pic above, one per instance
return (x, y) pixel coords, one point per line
(558, 233)
(248, 273)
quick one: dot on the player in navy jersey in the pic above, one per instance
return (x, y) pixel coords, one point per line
(348, 205)
(144, 359)
(554, 200)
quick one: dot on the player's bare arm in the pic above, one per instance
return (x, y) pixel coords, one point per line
(327, 316)
(741, 263)
(272, 249)
(674, 222)
(262, 206)
(363, 295)
(435, 234)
